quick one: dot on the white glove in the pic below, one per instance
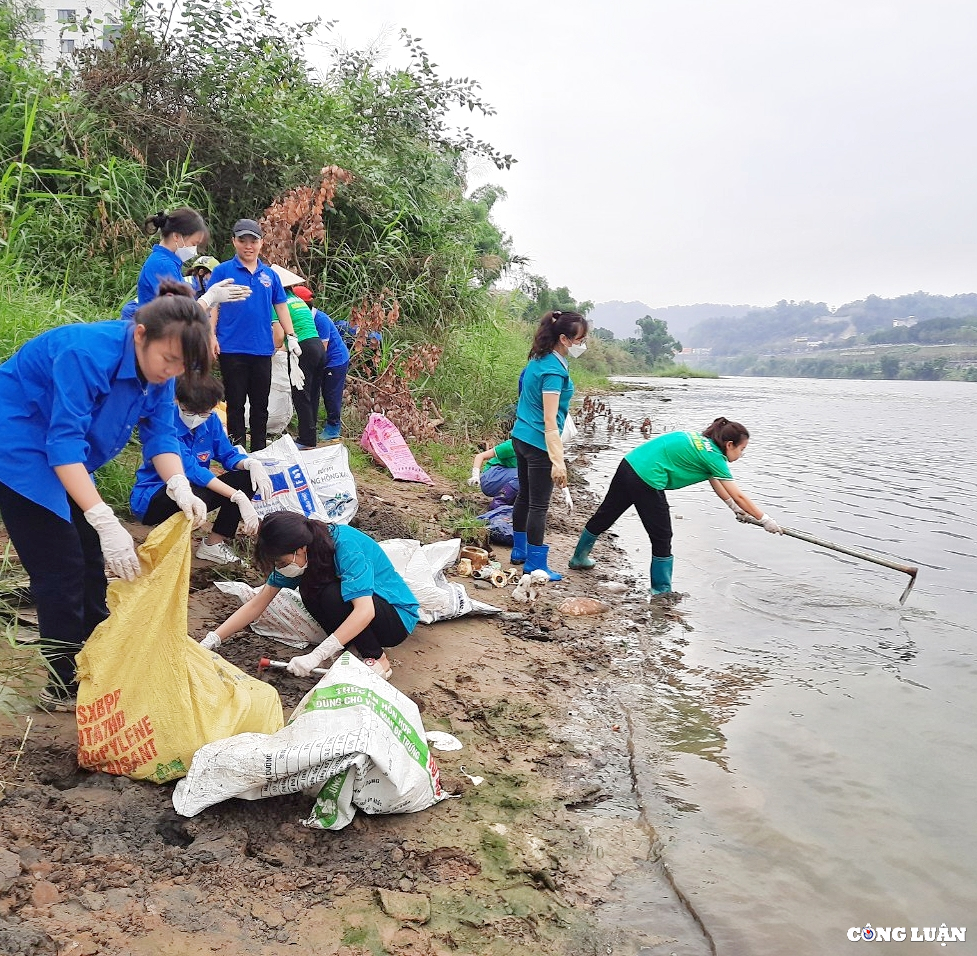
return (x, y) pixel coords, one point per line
(473, 481)
(292, 344)
(568, 501)
(260, 479)
(118, 548)
(326, 651)
(295, 375)
(224, 291)
(211, 642)
(734, 507)
(178, 488)
(249, 517)
(770, 525)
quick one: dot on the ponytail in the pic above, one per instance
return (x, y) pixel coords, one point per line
(552, 326)
(183, 221)
(722, 430)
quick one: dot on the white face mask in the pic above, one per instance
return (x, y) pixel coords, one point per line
(292, 570)
(186, 253)
(575, 351)
(192, 421)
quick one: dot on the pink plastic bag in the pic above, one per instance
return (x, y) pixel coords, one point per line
(382, 439)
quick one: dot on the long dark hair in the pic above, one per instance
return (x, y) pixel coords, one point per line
(284, 532)
(551, 327)
(183, 221)
(175, 311)
(722, 430)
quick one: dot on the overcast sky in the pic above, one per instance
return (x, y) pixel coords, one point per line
(733, 151)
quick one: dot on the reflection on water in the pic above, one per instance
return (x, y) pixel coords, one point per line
(809, 755)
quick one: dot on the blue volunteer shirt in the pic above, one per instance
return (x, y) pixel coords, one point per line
(364, 570)
(161, 264)
(74, 395)
(336, 351)
(546, 374)
(207, 442)
(244, 328)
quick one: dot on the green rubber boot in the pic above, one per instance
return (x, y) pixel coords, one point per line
(661, 575)
(581, 560)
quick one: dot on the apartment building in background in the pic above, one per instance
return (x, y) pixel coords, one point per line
(55, 26)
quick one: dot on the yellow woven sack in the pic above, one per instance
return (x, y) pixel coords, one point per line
(149, 697)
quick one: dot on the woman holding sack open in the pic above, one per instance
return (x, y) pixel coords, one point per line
(347, 584)
(670, 461)
(70, 399)
(544, 400)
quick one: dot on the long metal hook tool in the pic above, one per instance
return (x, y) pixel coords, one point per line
(909, 569)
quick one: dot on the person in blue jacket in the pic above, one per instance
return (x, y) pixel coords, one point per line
(202, 439)
(335, 369)
(346, 581)
(243, 335)
(544, 400)
(182, 232)
(69, 401)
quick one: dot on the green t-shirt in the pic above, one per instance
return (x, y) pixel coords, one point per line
(678, 459)
(301, 318)
(505, 456)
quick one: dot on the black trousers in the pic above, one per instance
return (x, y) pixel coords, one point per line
(67, 574)
(247, 378)
(161, 506)
(327, 606)
(306, 398)
(628, 489)
(533, 466)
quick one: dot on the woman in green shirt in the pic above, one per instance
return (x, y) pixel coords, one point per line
(494, 471)
(670, 461)
(311, 361)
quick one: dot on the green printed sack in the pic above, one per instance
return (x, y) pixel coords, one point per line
(354, 741)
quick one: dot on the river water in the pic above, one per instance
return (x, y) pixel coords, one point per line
(804, 746)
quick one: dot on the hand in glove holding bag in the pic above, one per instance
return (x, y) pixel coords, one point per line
(227, 290)
(260, 479)
(554, 448)
(249, 517)
(211, 642)
(179, 490)
(326, 651)
(118, 548)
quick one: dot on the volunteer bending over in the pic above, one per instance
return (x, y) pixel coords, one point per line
(70, 399)
(670, 461)
(347, 584)
(202, 439)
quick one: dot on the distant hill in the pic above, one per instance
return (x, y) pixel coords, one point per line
(801, 325)
(621, 317)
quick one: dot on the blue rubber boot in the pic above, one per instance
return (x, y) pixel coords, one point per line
(536, 560)
(518, 547)
(329, 432)
(661, 575)
(581, 560)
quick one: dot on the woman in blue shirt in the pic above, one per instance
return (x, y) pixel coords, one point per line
(202, 440)
(543, 403)
(347, 584)
(70, 399)
(181, 233)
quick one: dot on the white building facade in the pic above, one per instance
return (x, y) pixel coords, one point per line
(56, 26)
